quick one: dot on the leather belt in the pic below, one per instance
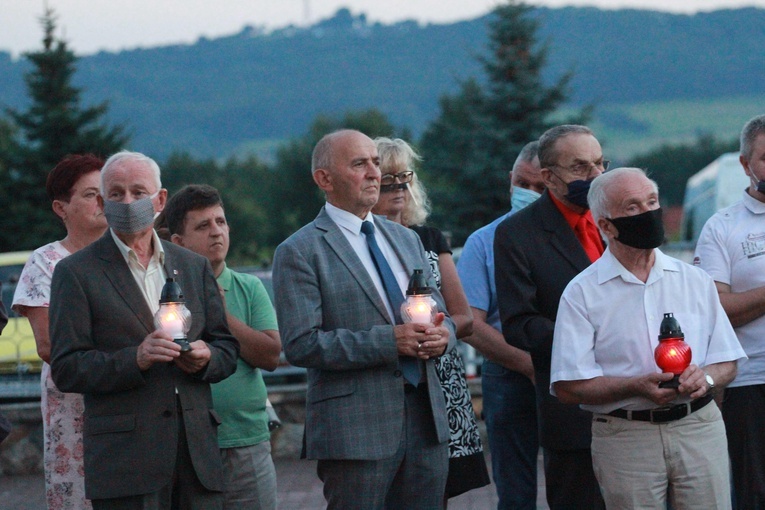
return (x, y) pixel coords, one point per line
(663, 414)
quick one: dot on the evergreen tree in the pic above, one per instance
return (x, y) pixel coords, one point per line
(53, 126)
(469, 150)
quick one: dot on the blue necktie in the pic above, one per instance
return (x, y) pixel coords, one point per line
(409, 365)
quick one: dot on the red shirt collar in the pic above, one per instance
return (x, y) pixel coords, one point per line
(572, 217)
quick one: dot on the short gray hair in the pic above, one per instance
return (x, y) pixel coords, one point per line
(527, 154)
(397, 153)
(751, 131)
(598, 194)
(548, 156)
(128, 156)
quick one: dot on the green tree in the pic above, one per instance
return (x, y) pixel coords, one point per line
(469, 149)
(54, 125)
(245, 185)
(671, 165)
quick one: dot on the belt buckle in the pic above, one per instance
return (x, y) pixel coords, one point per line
(667, 414)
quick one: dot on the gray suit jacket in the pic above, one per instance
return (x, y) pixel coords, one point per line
(333, 321)
(98, 317)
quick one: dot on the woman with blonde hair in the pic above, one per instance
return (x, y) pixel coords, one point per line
(403, 200)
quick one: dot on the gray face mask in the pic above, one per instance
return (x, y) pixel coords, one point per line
(130, 218)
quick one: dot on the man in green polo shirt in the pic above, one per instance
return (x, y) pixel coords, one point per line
(196, 220)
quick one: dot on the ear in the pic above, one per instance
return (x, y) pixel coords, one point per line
(745, 164)
(607, 228)
(323, 179)
(176, 239)
(547, 177)
(161, 200)
(58, 208)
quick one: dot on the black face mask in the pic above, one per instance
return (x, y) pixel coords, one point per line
(644, 231)
(387, 188)
(577, 192)
(760, 186)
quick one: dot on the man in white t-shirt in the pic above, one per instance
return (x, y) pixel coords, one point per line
(731, 249)
(650, 444)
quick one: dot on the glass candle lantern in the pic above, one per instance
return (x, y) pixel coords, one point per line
(419, 307)
(173, 317)
(672, 354)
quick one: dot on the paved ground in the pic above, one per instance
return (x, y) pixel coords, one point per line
(299, 489)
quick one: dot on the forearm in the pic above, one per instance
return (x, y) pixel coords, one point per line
(258, 348)
(492, 345)
(742, 307)
(598, 390)
(722, 373)
(38, 320)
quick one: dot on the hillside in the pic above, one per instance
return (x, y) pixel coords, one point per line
(640, 68)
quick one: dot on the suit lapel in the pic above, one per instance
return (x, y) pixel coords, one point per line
(117, 272)
(344, 251)
(396, 242)
(562, 237)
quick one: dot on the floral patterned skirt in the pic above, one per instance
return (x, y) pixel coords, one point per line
(63, 450)
(467, 466)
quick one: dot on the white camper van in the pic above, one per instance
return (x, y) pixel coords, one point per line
(718, 185)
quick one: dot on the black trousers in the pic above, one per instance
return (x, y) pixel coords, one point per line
(570, 480)
(744, 416)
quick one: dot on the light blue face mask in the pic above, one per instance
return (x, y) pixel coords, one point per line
(522, 197)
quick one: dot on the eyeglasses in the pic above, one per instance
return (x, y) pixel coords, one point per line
(583, 169)
(388, 179)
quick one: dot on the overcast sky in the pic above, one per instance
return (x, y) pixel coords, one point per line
(93, 25)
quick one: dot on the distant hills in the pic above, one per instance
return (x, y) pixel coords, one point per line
(641, 69)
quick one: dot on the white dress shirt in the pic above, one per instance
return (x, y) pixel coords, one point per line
(350, 226)
(608, 323)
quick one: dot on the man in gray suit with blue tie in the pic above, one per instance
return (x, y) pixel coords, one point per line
(378, 430)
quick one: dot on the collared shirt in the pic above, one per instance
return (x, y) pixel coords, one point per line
(150, 279)
(475, 268)
(608, 323)
(589, 237)
(240, 399)
(731, 249)
(350, 226)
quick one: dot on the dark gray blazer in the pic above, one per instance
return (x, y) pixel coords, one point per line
(333, 322)
(536, 254)
(98, 317)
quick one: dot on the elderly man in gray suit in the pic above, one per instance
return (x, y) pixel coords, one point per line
(150, 430)
(378, 430)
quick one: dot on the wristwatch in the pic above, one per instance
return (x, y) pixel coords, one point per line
(710, 381)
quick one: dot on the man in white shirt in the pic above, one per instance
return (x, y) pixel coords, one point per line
(730, 249)
(649, 444)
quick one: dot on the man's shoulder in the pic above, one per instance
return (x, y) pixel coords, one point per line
(84, 258)
(245, 279)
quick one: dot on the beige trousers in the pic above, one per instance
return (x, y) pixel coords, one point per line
(640, 464)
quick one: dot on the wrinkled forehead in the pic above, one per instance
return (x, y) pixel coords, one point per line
(630, 188)
(129, 174)
(353, 146)
(578, 147)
